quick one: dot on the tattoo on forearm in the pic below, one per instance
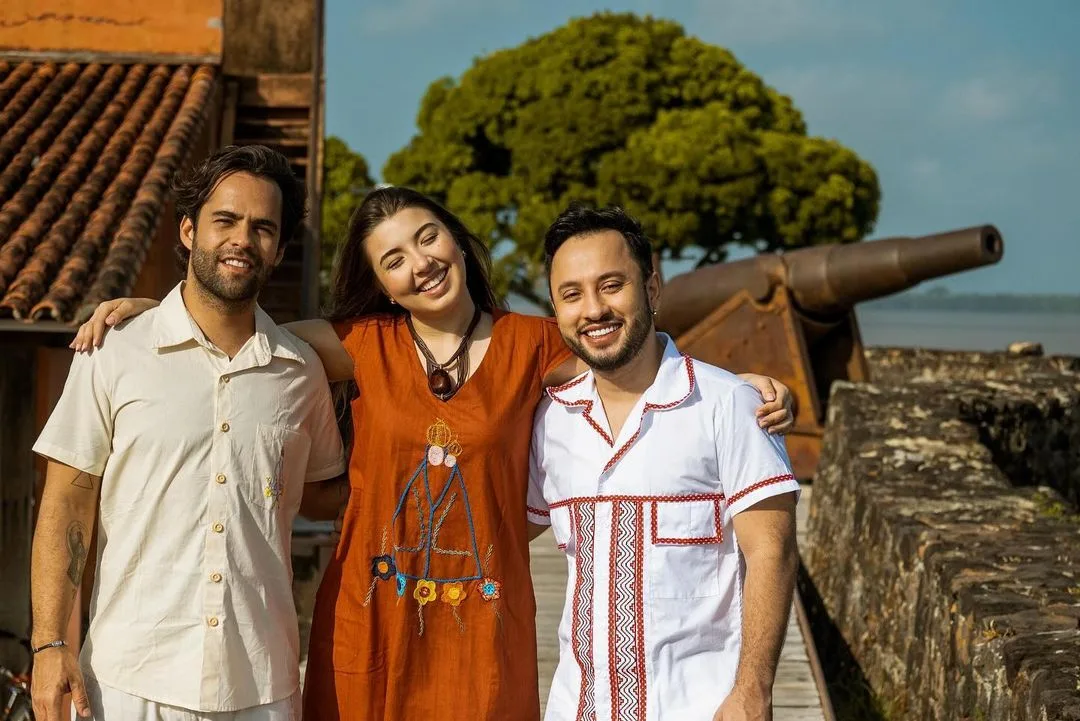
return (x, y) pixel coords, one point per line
(76, 540)
(84, 480)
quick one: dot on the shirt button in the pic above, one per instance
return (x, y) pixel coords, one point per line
(220, 478)
(224, 427)
(224, 379)
(215, 577)
(212, 621)
(218, 528)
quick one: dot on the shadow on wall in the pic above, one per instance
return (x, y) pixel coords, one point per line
(852, 697)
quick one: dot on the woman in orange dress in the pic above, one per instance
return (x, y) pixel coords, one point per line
(426, 608)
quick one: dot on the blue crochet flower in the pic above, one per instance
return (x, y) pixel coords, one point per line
(383, 567)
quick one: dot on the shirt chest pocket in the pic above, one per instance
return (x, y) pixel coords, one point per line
(277, 468)
(687, 542)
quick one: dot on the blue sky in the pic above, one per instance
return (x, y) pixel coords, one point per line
(969, 111)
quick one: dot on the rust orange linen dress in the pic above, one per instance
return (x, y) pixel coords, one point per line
(426, 610)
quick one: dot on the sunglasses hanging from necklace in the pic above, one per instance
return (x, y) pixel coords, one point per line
(438, 374)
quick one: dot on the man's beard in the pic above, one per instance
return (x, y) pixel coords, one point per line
(636, 331)
(206, 266)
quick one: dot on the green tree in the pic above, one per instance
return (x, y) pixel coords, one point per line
(616, 108)
(345, 183)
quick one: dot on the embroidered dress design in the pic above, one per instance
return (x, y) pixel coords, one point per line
(383, 567)
(435, 569)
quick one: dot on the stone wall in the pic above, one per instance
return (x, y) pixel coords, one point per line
(939, 551)
(891, 366)
(1034, 438)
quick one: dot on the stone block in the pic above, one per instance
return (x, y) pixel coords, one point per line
(944, 539)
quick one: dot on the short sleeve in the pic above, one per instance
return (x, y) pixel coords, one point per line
(536, 505)
(753, 464)
(553, 349)
(326, 459)
(353, 333)
(79, 430)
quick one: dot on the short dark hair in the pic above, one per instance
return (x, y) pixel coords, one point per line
(191, 189)
(580, 219)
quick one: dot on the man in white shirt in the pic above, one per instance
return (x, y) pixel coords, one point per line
(190, 440)
(675, 509)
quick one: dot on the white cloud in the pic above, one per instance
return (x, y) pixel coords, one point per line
(999, 96)
(765, 22)
(926, 169)
(833, 98)
(387, 16)
(770, 21)
(978, 99)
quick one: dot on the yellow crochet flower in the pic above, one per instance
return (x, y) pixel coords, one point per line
(425, 592)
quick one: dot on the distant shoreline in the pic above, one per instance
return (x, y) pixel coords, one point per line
(937, 300)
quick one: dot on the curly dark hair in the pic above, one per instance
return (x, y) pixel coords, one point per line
(191, 189)
(580, 219)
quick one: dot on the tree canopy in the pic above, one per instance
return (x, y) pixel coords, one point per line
(620, 109)
(345, 183)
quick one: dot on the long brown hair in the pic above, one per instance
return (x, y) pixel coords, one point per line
(355, 292)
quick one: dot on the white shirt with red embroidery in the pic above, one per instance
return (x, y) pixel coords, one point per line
(651, 627)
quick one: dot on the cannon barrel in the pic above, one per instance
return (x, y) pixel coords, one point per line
(828, 280)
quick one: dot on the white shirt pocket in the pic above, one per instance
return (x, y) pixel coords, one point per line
(278, 463)
(687, 540)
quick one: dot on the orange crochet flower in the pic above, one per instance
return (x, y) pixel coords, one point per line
(453, 593)
(425, 592)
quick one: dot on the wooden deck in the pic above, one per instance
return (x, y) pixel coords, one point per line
(795, 693)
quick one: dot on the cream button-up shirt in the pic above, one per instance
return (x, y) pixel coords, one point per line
(203, 461)
(652, 625)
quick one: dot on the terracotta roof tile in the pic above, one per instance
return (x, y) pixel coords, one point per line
(86, 155)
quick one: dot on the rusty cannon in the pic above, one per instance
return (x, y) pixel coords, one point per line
(791, 316)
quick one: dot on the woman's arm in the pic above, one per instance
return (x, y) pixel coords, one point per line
(776, 414)
(321, 336)
(106, 315)
(570, 368)
(318, 334)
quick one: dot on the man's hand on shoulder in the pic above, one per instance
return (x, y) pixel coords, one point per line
(777, 414)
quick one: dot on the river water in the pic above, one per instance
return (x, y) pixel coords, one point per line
(1059, 333)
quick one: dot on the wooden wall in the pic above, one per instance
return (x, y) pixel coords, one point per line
(269, 36)
(17, 482)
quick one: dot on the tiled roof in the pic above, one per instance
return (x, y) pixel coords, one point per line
(87, 152)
